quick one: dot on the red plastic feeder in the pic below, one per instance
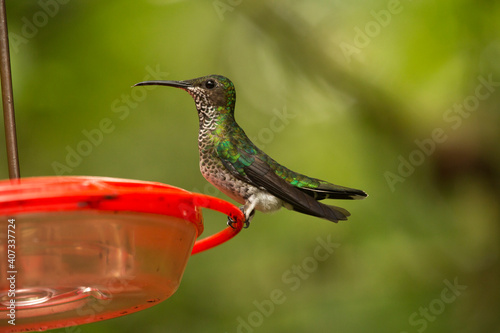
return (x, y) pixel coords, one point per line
(77, 250)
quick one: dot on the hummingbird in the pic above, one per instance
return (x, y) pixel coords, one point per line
(238, 168)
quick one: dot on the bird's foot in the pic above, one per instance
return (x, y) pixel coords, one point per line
(231, 221)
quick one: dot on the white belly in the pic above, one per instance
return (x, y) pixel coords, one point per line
(266, 202)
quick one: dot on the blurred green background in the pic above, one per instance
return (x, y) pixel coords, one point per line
(398, 98)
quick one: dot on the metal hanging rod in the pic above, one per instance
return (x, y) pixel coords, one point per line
(8, 97)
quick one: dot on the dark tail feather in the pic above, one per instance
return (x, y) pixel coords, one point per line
(327, 212)
(330, 191)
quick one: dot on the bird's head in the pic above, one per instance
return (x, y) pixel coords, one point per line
(212, 94)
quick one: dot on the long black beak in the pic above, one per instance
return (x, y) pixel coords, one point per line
(176, 84)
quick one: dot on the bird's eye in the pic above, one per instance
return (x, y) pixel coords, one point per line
(210, 84)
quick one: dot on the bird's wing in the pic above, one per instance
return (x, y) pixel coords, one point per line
(317, 188)
(248, 167)
(261, 175)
